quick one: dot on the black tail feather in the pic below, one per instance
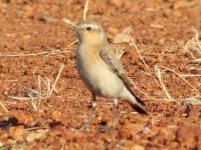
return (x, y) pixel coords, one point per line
(139, 109)
(139, 106)
(137, 98)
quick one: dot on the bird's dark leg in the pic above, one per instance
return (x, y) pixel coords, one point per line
(94, 104)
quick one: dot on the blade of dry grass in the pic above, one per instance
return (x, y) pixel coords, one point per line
(192, 100)
(193, 44)
(142, 59)
(197, 60)
(69, 22)
(181, 78)
(158, 74)
(152, 98)
(197, 34)
(86, 6)
(52, 52)
(139, 52)
(35, 96)
(120, 53)
(57, 78)
(190, 75)
(74, 42)
(4, 108)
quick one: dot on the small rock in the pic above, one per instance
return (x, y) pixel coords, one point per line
(112, 30)
(121, 38)
(128, 131)
(17, 133)
(179, 4)
(117, 3)
(197, 71)
(156, 26)
(56, 115)
(136, 147)
(47, 19)
(188, 134)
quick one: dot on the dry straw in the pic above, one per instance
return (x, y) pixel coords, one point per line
(34, 96)
(161, 84)
(46, 52)
(73, 24)
(193, 44)
(86, 6)
(159, 76)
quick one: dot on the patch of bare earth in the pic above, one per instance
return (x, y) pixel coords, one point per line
(42, 109)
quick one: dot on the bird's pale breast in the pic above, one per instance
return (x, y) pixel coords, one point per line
(97, 75)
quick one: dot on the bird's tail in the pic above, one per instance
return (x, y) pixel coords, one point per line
(138, 107)
(136, 103)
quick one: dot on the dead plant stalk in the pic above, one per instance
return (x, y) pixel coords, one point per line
(34, 97)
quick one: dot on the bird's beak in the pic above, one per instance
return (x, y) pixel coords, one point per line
(74, 30)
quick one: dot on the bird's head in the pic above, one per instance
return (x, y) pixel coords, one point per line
(90, 32)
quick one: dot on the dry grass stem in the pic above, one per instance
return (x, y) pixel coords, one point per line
(197, 35)
(44, 91)
(32, 136)
(158, 75)
(197, 60)
(181, 78)
(4, 108)
(192, 100)
(142, 91)
(86, 6)
(190, 75)
(51, 52)
(139, 52)
(193, 44)
(57, 78)
(74, 42)
(67, 21)
(120, 53)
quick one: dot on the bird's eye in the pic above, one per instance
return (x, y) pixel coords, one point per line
(89, 28)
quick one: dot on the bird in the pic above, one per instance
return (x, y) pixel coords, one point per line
(100, 69)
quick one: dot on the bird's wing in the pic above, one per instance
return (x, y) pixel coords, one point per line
(110, 58)
(112, 61)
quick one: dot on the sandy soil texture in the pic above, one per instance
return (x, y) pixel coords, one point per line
(44, 104)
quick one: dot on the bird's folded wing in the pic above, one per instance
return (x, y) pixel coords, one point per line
(112, 61)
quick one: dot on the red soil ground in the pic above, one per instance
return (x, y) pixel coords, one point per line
(35, 26)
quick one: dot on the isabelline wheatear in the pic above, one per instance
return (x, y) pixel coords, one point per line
(100, 69)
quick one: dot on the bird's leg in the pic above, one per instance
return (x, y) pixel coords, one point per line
(115, 103)
(106, 129)
(94, 104)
